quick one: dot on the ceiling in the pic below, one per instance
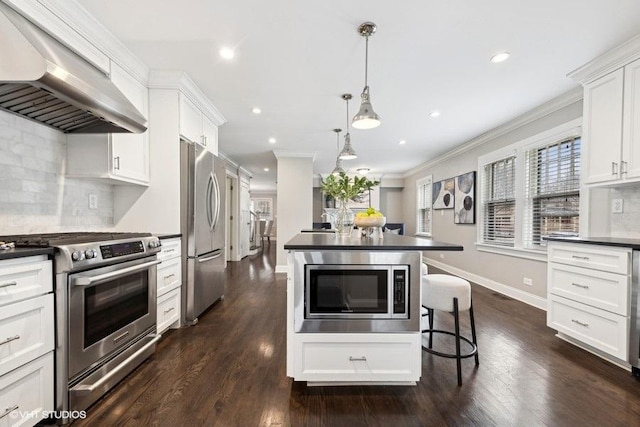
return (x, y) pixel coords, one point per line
(294, 59)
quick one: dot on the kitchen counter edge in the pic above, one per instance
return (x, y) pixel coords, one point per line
(602, 241)
(25, 252)
(168, 236)
(329, 241)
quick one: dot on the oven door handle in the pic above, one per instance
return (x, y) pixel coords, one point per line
(90, 388)
(99, 278)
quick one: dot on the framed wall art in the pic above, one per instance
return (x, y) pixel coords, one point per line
(465, 199)
(443, 194)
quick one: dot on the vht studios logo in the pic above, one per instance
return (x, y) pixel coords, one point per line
(40, 415)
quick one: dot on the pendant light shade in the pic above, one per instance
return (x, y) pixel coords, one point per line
(366, 117)
(338, 169)
(347, 153)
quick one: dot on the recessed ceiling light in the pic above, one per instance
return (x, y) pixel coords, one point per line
(402, 142)
(272, 140)
(500, 57)
(256, 110)
(266, 169)
(226, 53)
(434, 114)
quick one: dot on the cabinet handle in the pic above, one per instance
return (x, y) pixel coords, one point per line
(580, 286)
(169, 310)
(586, 258)
(580, 323)
(8, 340)
(5, 285)
(116, 163)
(624, 167)
(9, 410)
(614, 168)
(357, 359)
(169, 276)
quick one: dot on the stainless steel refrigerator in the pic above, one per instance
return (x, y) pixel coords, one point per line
(202, 187)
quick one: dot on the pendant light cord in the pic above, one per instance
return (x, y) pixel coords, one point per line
(366, 61)
(347, 101)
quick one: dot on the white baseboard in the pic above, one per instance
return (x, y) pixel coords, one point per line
(509, 291)
(281, 268)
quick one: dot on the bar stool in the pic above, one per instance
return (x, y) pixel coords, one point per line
(450, 294)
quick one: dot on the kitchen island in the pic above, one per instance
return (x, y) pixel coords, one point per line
(353, 308)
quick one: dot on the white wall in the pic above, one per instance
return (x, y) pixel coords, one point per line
(35, 194)
(295, 201)
(494, 269)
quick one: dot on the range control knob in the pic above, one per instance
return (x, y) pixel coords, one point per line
(77, 256)
(90, 253)
(154, 244)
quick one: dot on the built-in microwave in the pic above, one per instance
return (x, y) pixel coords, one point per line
(356, 291)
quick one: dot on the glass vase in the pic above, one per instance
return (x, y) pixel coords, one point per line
(344, 219)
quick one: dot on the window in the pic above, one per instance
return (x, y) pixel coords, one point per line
(552, 192)
(423, 206)
(530, 190)
(499, 202)
(263, 208)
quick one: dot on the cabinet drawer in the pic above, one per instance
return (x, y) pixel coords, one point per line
(600, 289)
(171, 248)
(598, 328)
(27, 391)
(23, 278)
(168, 310)
(26, 331)
(614, 260)
(169, 275)
(368, 359)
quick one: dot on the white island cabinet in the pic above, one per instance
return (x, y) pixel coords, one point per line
(26, 339)
(353, 308)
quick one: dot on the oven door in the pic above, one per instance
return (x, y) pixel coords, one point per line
(109, 307)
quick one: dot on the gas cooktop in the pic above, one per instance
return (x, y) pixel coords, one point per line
(73, 238)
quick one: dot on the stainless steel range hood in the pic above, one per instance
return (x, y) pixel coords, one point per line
(43, 80)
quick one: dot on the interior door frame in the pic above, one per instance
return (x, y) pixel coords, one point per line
(232, 244)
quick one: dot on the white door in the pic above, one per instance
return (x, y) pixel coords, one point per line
(245, 219)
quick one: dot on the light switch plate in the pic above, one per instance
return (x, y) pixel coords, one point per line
(93, 201)
(617, 206)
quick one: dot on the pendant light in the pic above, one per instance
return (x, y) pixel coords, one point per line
(366, 117)
(338, 169)
(347, 153)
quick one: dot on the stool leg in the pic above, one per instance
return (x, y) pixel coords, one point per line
(430, 310)
(473, 331)
(457, 329)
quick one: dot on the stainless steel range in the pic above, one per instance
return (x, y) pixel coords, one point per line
(105, 310)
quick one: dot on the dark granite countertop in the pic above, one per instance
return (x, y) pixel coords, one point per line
(24, 252)
(390, 242)
(604, 241)
(163, 236)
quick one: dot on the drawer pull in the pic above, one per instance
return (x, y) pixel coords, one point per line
(9, 410)
(580, 323)
(586, 258)
(8, 340)
(169, 310)
(169, 276)
(168, 250)
(357, 359)
(580, 286)
(5, 285)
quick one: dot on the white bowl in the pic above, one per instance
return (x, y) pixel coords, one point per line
(369, 221)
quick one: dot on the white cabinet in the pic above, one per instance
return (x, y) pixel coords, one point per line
(26, 339)
(121, 158)
(611, 126)
(169, 281)
(588, 290)
(196, 127)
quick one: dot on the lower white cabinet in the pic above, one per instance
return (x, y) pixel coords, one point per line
(169, 285)
(369, 357)
(26, 392)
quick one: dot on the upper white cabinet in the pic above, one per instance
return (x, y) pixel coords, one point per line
(611, 116)
(121, 158)
(195, 126)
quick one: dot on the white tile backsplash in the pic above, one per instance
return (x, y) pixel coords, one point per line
(627, 224)
(35, 194)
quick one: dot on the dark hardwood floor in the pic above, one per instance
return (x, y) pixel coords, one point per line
(229, 370)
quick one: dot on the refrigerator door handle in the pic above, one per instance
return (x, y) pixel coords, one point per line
(216, 208)
(210, 213)
(209, 258)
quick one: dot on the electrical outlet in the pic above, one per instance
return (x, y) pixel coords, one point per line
(527, 281)
(617, 205)
(93, 201)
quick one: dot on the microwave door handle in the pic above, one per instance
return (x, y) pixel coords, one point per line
(100, 278)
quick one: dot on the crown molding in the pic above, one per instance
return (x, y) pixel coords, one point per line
(280, 154)
(179, 80)
(228, 159)
(610, 61)
(537, 113)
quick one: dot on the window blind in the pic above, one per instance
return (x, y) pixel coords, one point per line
(552, 192)
(498, 202)
(423, 191)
